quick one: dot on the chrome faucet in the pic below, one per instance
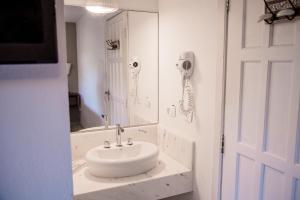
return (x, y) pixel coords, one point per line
(106, 123)
(118, 135)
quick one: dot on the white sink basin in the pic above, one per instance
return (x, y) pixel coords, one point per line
(117, 162)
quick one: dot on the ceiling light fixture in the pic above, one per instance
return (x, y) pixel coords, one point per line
(101, 6)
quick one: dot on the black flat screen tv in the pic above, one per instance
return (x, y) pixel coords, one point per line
(28, 32)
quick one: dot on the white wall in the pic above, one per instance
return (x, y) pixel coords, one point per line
(91, 68)
(145, 5)
(34, 129)
(191, 25)
(143, 45)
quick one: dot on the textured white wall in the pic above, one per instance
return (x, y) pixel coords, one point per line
(91, 68)
(34, 129)
(191, 25)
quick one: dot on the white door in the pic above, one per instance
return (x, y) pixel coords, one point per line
(262, 137)
(117, 70)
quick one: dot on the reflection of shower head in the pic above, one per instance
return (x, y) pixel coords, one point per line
(68, 66)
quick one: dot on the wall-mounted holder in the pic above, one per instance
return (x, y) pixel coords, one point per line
(171, 111)
(186, 67)
(113, 45)
(278, 10)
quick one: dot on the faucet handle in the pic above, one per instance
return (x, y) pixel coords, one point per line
(120, 128)
(106, 144)
(129, 141)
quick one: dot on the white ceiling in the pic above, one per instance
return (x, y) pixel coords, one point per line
(73, 13)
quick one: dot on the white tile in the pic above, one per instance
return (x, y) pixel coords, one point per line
(179, 148)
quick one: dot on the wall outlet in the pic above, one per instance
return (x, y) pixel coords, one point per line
(171, 111)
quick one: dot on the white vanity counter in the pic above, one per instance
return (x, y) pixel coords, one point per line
(172, 175)
(168, 178)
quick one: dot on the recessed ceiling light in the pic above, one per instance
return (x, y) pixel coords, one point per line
(101, 6)
(100, 9)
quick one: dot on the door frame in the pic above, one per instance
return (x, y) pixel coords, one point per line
(222, 37)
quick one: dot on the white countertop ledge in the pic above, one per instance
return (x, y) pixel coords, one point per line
(167, 179)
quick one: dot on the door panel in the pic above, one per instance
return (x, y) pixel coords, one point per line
(261, 160)
(279, 97)
(252, 39)
(245, 178)
(273, 183)
(251, 83)
(296, 191)
(116, 70)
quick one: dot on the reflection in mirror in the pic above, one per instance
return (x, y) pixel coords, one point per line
(112, 66)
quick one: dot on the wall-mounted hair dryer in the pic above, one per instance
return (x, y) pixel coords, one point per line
(186, 68)
(186, 64)
(135, 69)
(135, 66)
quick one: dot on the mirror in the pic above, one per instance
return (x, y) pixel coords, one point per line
(112, 66)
